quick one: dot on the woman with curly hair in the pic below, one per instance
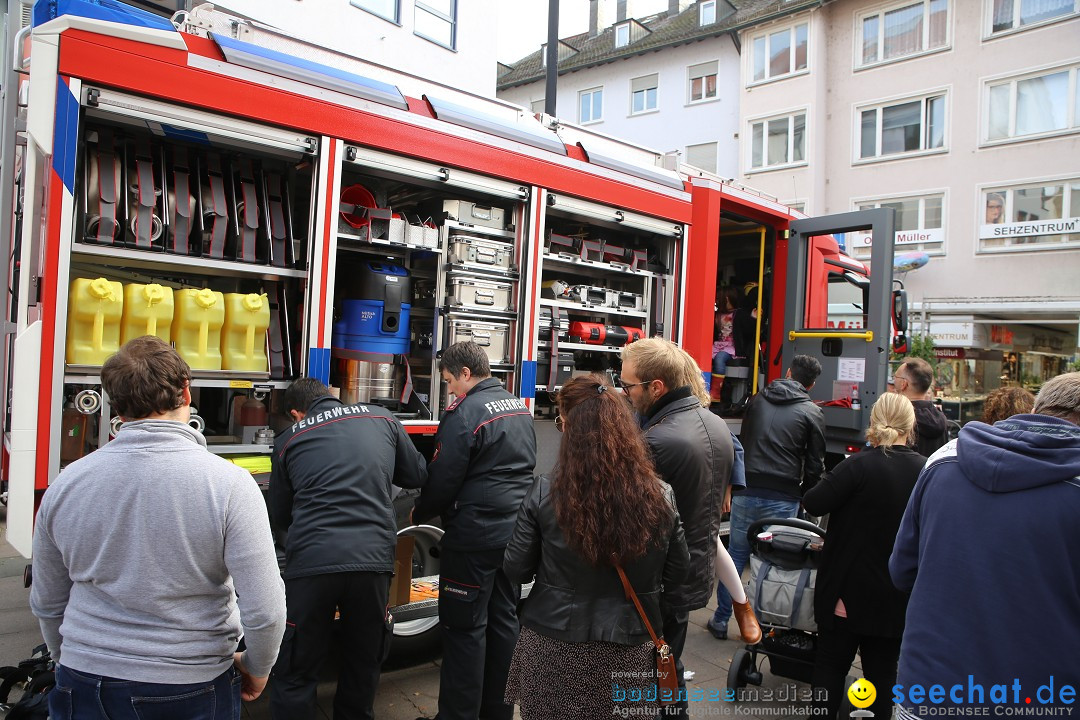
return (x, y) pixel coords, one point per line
(584, 651)
(1005, 402)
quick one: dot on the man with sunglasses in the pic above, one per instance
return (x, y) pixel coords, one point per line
(912, 380)
(693, 453)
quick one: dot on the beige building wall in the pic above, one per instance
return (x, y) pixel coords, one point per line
(833, 179)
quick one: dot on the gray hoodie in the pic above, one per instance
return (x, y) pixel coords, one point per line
(141, 551)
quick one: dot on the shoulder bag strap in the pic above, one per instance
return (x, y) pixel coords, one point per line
(658, 642)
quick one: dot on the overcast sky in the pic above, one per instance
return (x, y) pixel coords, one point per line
(522, 24)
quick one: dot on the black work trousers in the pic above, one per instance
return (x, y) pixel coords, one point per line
(364, 632)
(478, 618)
(836, 648)
(675, 624)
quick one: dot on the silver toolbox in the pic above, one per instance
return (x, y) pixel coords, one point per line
(468, 212)
(625, 300)
(493, 337)
(475, 293)
(589, 295)
(484, 252)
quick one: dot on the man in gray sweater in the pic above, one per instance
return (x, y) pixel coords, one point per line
(151, 557)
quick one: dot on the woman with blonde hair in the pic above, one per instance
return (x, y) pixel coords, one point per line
(855, 604)
(582, 641)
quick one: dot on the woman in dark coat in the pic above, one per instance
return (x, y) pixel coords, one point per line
(584, 651)
(855, 604)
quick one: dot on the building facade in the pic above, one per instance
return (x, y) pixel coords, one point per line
(962, 115)
(633, 78)
(432, 39)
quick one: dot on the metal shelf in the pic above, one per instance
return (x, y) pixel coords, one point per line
(127, 258)
(240, 449)
(581, 346)
(594, 267)
(509, 235)
(381, 245)
(234, 379)
(483, 271)
(581, 307)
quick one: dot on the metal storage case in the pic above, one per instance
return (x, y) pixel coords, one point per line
(473, 293)
(493, 337)
(479, 251)
(469, 212)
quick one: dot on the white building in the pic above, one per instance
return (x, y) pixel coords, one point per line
(633, 79)
(431, 39)
(963, 115)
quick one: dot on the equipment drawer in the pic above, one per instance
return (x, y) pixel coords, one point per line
(480, 252)
(492, 337)
(474, 293)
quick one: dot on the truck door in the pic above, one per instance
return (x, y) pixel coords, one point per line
(841, 316)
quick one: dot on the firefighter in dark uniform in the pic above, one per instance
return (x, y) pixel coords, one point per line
(481, 472)
(330, 486)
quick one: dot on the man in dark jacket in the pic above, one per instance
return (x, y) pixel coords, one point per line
(912, 380)
(783, 435)
(693, 453)
(330, 487)
(482, 470)
(987, 549)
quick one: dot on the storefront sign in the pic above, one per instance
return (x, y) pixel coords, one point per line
(943, 353)
(1030, 227)
(902, 237)
(953, 334)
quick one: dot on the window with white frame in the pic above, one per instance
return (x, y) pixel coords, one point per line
(707, 13)
(911, 126)
(538, 106)
(386, 9)
(920, 225)
(702, 156)
(797, 205)
(436, 20)
(779, 53)
(622, 35)
(702, 81)
(643, 93)
(591, 105)
(778, 141)
(1037, 104)
(1007, 15)
(1030, 216)
(901, 30)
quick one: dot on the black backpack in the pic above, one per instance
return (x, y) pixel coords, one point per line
(35, 675)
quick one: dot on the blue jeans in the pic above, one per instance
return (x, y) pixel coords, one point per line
(719, 362)
(744, 511)
(81, 696)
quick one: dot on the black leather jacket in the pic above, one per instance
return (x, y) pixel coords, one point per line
(693, 452)
(485, 454)
(577, 602)
(330, 487)
(783, 434)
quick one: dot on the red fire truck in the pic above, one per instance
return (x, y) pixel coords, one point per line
(221, 164)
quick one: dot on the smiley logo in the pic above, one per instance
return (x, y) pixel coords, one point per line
(862, 693)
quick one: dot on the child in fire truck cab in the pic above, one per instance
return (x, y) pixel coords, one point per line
(723, 349)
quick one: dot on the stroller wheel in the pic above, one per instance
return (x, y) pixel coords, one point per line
(741, 663)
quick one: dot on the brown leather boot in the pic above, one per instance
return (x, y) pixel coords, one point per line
(748, 624)
(717, 386)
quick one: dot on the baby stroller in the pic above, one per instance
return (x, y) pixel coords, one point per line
(785, 553)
